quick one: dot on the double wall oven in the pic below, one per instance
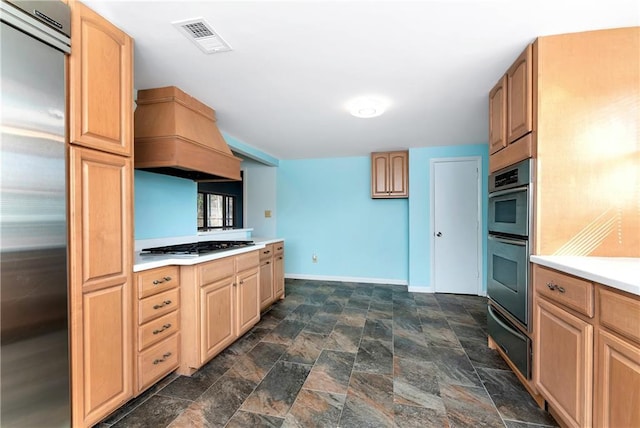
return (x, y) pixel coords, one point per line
(508, 288)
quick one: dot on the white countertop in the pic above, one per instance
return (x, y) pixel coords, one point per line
(265, 241)
(151, 261)
(622, 273)
(146, 262)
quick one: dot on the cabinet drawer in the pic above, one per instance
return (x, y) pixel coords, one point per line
(247, 260)
(157, 330)
(157, 280)
(157, 361)
(266, 252)
(278, 247)
(216, 270)
(620, 313)
(157, 305)
(572, 292)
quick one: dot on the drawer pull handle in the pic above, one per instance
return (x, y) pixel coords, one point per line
(242, 282)
(280, 258)
(267, 263)
(163, 359)
(266, 252)
(163, 280)
(553, 286)
(165, 303)
(279, 248)
(164, 327)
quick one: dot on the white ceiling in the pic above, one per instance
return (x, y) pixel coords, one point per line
(295, 64)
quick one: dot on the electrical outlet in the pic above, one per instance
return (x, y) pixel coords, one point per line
(314, 258)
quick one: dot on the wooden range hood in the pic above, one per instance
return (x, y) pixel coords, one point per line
(175, 134)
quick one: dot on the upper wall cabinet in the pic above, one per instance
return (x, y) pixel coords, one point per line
(511, 114)
(100, 82)
(498, 116)
(390, 174)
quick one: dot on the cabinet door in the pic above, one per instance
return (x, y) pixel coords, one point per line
(266, 283)
(100, 260)
(390, 174)
(379, 175)
(498, 116)
(398, 174)
(519, 96)
(248, 300)
(216, 318)
(278, 277)
(104, 362)
(618, 382)
(564, 361)
(100, 83)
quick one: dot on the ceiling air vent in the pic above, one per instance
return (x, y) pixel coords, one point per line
(202, 34)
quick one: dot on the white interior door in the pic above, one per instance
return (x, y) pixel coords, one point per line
(455, 202)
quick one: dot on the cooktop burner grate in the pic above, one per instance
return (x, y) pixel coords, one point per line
(196, 248)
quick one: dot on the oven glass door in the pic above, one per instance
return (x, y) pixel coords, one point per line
(508, 212)
(508, 275)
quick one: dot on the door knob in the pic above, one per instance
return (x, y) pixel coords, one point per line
(439, 234)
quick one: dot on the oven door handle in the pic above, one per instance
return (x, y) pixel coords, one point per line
(496, 318)
(508, 191)
(519, 242)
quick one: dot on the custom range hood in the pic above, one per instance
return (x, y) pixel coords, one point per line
(175, 134)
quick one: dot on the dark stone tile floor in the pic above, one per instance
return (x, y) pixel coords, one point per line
(335, 354)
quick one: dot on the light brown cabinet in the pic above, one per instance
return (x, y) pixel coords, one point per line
(564, 357)
(498, 116)
(266, 277)
(551, 109)
(217, 312)
(220, 302)
(101, 83)
(511, 114)
(618, 360)
(100, 260)
(157, 325)
(271, 274)
(278, 270)
(586, 350)
(519, 96)
(100, 216)
(390, 174)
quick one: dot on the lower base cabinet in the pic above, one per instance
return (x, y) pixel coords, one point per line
(220, 302)
(157, 315)
(271, 274)
(565, 359)
(587, 351)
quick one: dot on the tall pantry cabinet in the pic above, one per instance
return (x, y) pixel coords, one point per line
(100, 87)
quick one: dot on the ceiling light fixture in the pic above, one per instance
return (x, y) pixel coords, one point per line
(366, 107)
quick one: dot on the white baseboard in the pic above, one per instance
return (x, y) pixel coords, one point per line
(346, 279)
(421, 289)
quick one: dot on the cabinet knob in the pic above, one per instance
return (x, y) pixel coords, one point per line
(439, 234)
(551, 286)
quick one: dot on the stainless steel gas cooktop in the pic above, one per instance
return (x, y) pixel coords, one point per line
(196, 248)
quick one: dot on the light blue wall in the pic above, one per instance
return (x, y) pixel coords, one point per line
(419, 207)
(325, 208)
(164, 206)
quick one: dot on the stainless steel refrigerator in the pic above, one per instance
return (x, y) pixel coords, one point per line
(34, 354)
